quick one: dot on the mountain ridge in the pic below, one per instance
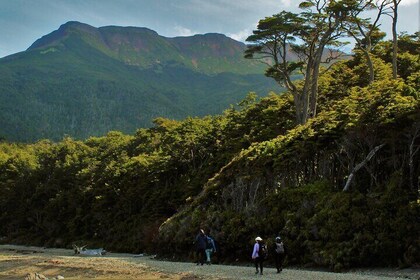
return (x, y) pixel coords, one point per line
(84, 81)
(143, 47)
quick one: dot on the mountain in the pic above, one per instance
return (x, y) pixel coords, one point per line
(84, 81)
(210, 53)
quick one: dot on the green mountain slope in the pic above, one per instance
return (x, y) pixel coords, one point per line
(84, 81)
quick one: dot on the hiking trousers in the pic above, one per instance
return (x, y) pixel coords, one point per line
(279, 261)
(201, 256)
(208, 254)
(259, 264)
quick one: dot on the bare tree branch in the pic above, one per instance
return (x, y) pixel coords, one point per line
(360, 165)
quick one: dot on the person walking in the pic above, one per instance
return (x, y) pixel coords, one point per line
(279, 253)
(210, 248)
(258, 255)
(200, 247)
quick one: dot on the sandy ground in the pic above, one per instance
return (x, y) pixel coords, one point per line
(16, 262)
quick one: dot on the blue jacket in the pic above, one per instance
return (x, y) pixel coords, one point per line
(256, 250)
(210, 244)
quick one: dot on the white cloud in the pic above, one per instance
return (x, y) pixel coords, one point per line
(241, 35)
(286, 3)
(182, 31)
(408, 2)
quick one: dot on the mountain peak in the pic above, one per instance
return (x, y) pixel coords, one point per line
(64, 30)
(76, 24)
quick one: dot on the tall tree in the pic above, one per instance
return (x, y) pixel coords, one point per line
(364, 31)
(307, 35)
(393, 5)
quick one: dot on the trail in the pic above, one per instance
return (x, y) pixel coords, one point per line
(18, 261)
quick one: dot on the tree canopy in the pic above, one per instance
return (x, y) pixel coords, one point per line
(291, 43)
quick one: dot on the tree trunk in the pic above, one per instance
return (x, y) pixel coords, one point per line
(297, 101)
(394, 39)
(413, 151)
(314, 85)
(370, 66)
(306, 90)
(360, 165)
(366, 52)
(315, 65)
(369, 62)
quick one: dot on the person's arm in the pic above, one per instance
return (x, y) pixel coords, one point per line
(255, 251)
(212, 244)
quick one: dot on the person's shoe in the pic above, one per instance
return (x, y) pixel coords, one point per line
(256, 272)
(261, 273)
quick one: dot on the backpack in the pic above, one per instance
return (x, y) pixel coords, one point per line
(209, 243)
(280, 248)
(263, 252)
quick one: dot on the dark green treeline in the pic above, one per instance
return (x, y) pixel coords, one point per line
(250, 171)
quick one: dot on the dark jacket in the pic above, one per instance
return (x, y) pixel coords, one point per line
(200, 241)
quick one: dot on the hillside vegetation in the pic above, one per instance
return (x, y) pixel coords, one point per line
(249, 171)
(82, 81)
(332, 165)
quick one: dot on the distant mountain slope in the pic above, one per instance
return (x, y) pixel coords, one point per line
(84, 81)
(209, 53)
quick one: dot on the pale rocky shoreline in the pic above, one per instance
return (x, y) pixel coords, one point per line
(18, 261)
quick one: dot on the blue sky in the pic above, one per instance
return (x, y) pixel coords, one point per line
(24, 21)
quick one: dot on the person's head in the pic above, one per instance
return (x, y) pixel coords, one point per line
(258, 239)
(278, 239)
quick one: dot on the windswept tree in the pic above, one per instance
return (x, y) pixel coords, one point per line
(365, 31)
(306, 35)
(393, 13)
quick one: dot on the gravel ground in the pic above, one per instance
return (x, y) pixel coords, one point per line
(247, 272)
(128, 266)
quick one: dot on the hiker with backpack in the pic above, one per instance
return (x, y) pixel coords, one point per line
(200, 247)
(279, 253)
(210, 248)
(259, 254)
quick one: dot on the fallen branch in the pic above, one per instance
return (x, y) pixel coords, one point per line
(360, 165)
(89, 252)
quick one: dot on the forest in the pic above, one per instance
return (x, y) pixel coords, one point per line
(331, 165)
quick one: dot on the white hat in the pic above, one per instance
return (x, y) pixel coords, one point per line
(258, 238)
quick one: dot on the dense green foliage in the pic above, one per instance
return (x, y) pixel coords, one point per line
(83, 81)
(249, 171)
(292, 184)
